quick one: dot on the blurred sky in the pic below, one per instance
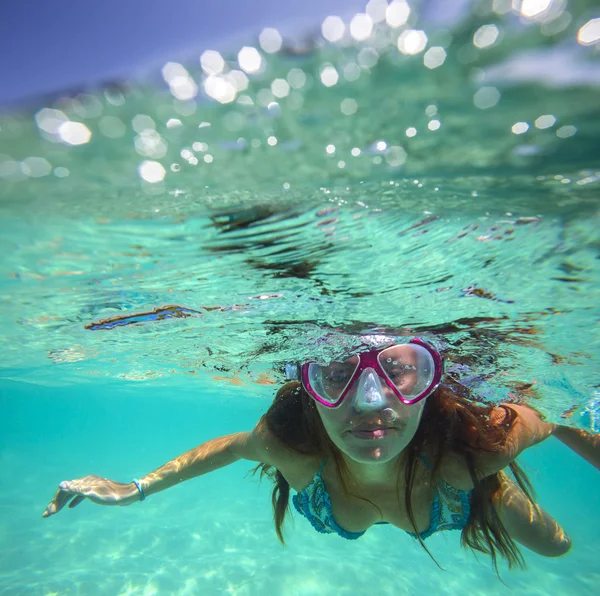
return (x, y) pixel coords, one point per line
(50, 45)
(54, 45)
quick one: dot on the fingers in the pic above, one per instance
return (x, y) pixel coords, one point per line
(66, 491)
(49, 511)
(76, 501)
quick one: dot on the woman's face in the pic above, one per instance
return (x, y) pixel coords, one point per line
(371, 425)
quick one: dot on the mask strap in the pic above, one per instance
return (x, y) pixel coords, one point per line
(292, 372)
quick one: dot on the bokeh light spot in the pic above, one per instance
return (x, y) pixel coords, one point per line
(486, 97)
(181, 84)
(296, 78)
(74, 133)
(10, 169)
(61, 172)
(502, 7)
(397, 14)
(376, 9)
(545, 121)
(361, 26)
(485, 36)
(333, 28)
(534, 8)
(589, 34)
(238, 79)
(519, 128)
(35, 167)
(152, 171)
(329, 76)
(431, 110)
(565, 132)
(349, 106)
(141, 123)
(434, 57)
(50, 120)
(395, 156)
(351, 71)
(220, 88)
(212, 62)
(280, 88)
(174, 123)
(270, 40)
(368, 57)
(249, 60)
(112, 127)
(150, 144)
(412, 41)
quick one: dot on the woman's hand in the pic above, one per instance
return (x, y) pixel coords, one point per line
(98, 490)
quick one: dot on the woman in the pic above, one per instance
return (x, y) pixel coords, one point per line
(377, 438)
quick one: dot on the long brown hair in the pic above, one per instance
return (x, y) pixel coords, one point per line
(451, 422)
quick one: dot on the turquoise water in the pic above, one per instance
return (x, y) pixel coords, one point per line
(459, 202)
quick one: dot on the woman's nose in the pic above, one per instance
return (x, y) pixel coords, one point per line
(369, 395)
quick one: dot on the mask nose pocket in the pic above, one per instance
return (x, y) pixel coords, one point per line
(369, 392)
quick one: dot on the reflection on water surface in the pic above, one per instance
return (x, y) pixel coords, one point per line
(392, 174)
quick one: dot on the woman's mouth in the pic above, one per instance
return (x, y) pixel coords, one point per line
(372, 434)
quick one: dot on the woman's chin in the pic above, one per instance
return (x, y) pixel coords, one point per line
(370, 454)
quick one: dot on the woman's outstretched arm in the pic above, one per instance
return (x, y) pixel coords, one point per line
(210, 456)
(527, 522)
(586, 445)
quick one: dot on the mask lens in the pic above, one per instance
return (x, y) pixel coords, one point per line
(410, 367)
(329, 382)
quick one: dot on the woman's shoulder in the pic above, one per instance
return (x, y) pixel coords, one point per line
(453, 468)
(521, 427)
(454, 471)
(297, 468)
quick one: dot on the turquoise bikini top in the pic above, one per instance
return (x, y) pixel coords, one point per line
(449, 511)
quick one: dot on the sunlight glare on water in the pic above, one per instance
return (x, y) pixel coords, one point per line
(386, 172)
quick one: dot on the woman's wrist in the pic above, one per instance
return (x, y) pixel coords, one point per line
(131, 494)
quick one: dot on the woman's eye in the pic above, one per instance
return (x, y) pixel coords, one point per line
(400, 370)
(338, 376)
(396, 373)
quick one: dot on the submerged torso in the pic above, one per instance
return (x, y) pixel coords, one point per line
(437, 505)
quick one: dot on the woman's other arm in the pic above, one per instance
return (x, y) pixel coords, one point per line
(527, 522)
(528, 429)
(583, 443)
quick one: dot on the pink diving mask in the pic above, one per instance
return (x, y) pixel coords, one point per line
(412, 370)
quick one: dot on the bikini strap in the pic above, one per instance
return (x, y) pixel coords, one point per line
(426, 462)
(322, 465)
